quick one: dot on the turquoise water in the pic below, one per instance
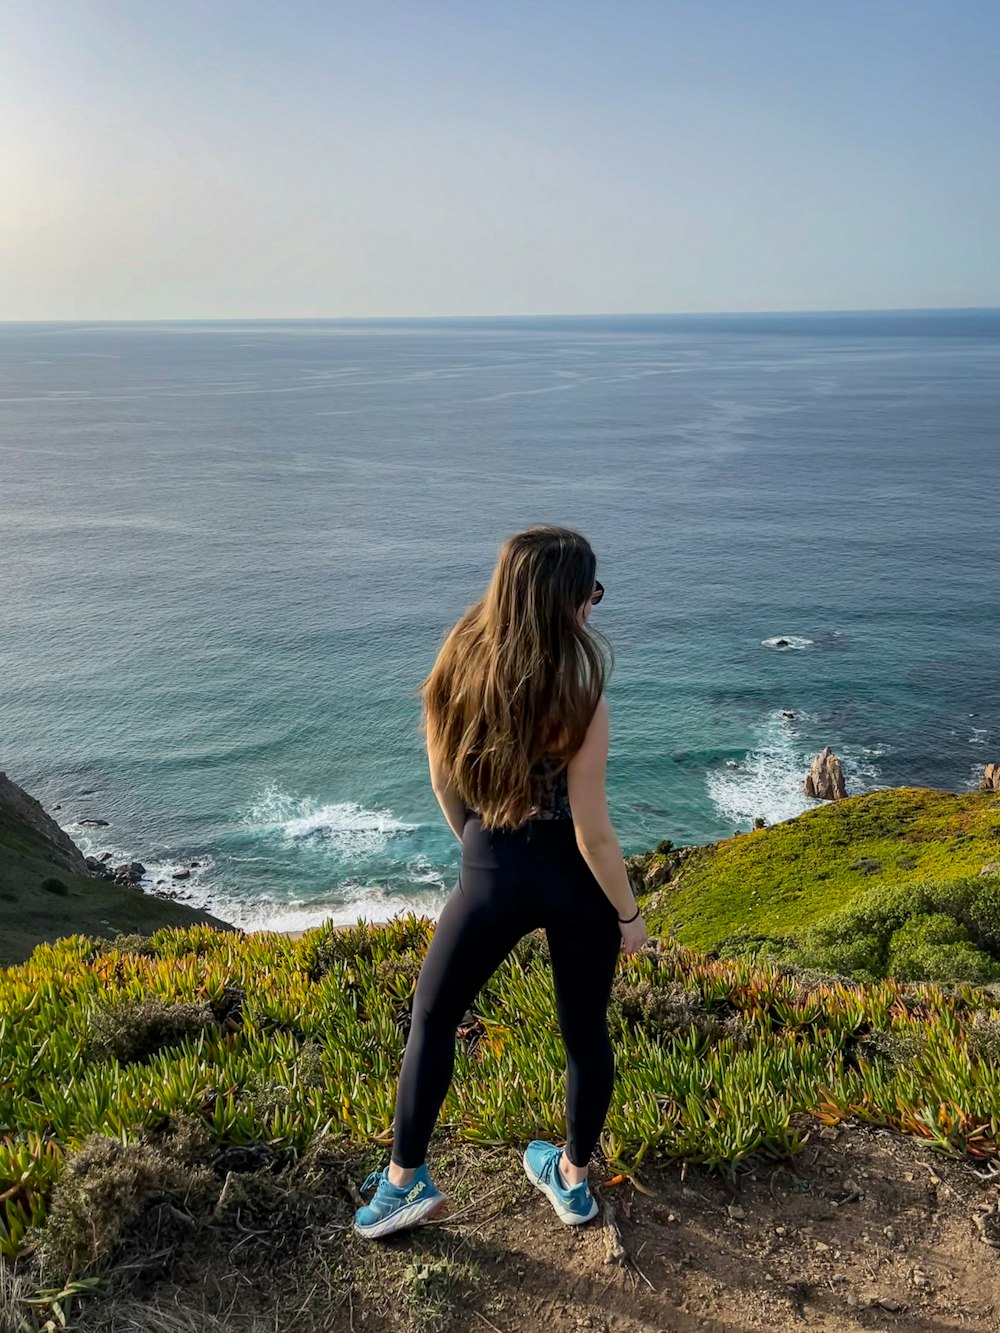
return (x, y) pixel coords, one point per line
(230, 552)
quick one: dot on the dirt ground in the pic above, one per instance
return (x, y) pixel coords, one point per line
(866, 1230)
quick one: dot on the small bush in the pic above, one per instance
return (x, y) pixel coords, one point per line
(668, 1008)
(744, 944)
(896, 1049)
(937, 947)
(103, 1189)
(984, 1036)
(134, 944)
(924, 932)
(56, 886)
(134, 1031)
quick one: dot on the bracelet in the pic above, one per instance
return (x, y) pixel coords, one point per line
(629, 920)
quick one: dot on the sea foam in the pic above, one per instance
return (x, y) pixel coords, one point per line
(768, 782)
(353, 830)
(783, 642)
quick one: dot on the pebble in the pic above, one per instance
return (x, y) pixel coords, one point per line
(780, 1231)
(887, 1303)
(821, 1247)
(736, 1212)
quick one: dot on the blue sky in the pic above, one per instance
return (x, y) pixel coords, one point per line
(223, 159)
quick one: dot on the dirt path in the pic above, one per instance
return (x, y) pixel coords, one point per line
(866, 1231)
(869, 1232)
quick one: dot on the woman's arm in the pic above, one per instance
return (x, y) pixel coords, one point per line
(449, 800)
(595, 836)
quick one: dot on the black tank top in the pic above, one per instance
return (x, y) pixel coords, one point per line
(550, 792)
(552, 786)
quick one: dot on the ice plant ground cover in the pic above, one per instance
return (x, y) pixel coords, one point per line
(270, 1044)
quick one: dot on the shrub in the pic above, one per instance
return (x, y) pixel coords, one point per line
(133, 1031)
(928, 932)
(105, 1186)
(937, 947)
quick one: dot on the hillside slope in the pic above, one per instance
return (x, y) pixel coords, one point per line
(780, 880)
(46, 890)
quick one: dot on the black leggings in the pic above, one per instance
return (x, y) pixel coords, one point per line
(512, 882)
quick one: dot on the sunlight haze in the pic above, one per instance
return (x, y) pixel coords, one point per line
(238, 160)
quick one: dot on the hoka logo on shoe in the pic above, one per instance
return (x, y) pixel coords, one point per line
(416, 1192)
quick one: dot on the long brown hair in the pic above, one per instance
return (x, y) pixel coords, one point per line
(519, 677)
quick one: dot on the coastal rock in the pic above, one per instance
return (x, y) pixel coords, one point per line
(181, 874)
(991, 778)
(98, 866)
(92, 823)
(129, 872)
(46, 835)
(825, 780)
(781, 643)
(787, 712)
(649, 871)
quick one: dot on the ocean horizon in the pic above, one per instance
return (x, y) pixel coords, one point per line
(232, 549)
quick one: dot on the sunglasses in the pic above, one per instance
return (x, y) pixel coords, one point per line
(597, 594)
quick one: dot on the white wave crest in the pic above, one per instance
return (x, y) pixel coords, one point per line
(354, 830)
(200, 889)
(784, 641)
(373, 906)
(768, 782)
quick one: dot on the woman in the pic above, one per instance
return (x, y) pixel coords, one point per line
(517, 742)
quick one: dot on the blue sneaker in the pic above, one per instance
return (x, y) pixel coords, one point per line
(393, 1208)
(541, 1166)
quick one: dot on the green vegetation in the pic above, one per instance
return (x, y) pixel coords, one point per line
(134, 1068)
(945, 932)
(194, 1087)
(776, 883)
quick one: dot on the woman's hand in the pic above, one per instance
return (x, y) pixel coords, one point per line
(634, 934)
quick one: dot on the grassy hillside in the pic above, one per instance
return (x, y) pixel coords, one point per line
(777, 882)
(213, 1050)
(46, 892)
(160, 1096)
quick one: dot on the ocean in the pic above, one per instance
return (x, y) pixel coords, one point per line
(230, 552)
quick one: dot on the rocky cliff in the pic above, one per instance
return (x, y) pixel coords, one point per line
(47, 889)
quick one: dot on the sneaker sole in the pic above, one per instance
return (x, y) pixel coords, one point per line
(564, 1214)
(414, 1215)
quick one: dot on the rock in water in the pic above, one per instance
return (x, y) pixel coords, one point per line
(991, 778)
(825, 779)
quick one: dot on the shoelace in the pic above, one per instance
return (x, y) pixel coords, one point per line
(372, 1182)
